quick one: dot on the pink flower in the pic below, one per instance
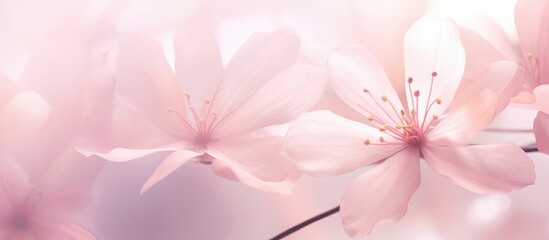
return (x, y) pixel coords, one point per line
(37, 203)
(532, 22)
(43, 181)
(432, 124)
(205, 112)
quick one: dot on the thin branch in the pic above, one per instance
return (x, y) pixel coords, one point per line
(530, 149)
(306, 223)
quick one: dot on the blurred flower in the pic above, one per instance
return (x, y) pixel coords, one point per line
(44, 182)
(213, 121)
(434, 125)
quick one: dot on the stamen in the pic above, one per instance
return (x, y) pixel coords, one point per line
(365, 90)
(416, 93)
(6, 192)
(171, 110)
(370, 118)
(367, 142)
(381, 139)
(435, 117)
(384, 98)
(438, 101)
(434, 74)
(410, 80)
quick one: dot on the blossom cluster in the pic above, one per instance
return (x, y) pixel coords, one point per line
(92, 85)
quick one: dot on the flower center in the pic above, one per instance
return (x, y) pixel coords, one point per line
(20, 220)
(201, 123)
(408, 127)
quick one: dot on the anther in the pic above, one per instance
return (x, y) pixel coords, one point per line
(416, 93)
(370, 118)
(187, 94)
(383, 128)
(434, 74)
(365, 90)
(413, 112)
(384, 98)
(438, 100)
(207, 101)
(410, 80)
(435, 117)
(367, 142)
(381, 139)
(402, 112)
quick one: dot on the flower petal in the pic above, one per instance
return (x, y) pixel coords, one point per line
(321, 143)
(480, 55)
(465, 120)
(23, 118)
(501, 77)
(62, 231)
(126, 135)
(541, 131)
(7, 91)
(495, 168)
(533, 32)
(262, 57)
(146, 83)
(284, 98)
(170, 164)
(197, 60)
(381, 194)
(258, 163)
(353, 70)
(433, 45)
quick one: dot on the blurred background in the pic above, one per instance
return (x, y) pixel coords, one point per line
(192, 203)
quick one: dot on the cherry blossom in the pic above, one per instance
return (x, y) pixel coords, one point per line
(433, 123)
(205, 112)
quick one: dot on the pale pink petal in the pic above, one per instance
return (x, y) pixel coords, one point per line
(360, 81)
(14, 179)
(259, 163)
(62, 231)
(465, 120)
(261, 58)
(533, 33)
(22, 118)
(541, 92)
(500, 77)
(125, 135)
(536, 99)
(7, 91)
(433, 45)
(541, 131)
(69, 170)
(170, 164)
(146, 83)
(284, 98)
(197, 61)
(76, 232)
(321, 143)
(381, 194)
(495, 168)
(57, 70)
(492, 31)
(480, 55)
(227, 170)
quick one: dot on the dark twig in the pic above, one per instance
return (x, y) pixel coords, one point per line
(305, 223)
